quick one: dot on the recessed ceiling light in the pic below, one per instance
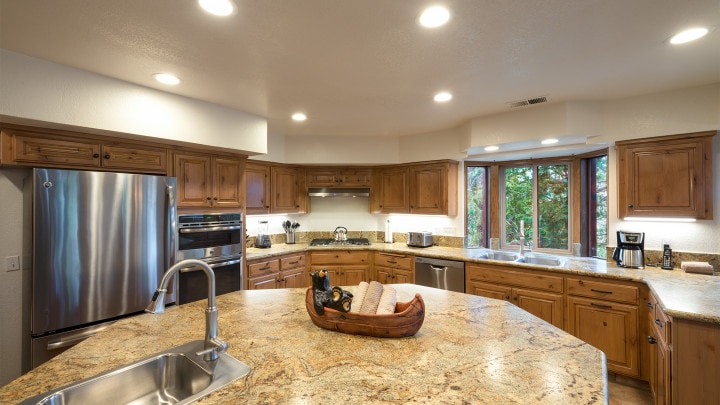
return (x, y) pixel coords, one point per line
(442, 97)
(491, 148)
(299, 117)
(434, 17)
(166, 78)
(688, 35)
(549, 141)
(220, 8)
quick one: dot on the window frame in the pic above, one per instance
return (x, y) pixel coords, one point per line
(534, 164)
(486, 203)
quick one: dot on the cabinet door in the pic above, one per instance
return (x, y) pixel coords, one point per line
(131, 158)
(194, 180)
(227, 183)
(610, 327)
(263, 283)
(665, 178)
(394, 191)
(546, 306)
(403, 276)
(257, 178)
(428, 189)
(296, 278)
(383, 275)
(54, 151)
(495, 291)
(354, 275)
(285, 191)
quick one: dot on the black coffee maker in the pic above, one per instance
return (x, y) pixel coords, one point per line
(630, 250)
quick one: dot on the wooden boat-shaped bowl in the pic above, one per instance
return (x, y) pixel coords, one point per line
(406, 321)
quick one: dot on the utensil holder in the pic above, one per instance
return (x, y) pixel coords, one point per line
(289, 237)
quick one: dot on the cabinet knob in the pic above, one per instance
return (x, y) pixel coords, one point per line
(208, 198)
(215, 198)
(96, 155)
(652, 340)
(649, 305)
(107, 156)
(630, 206)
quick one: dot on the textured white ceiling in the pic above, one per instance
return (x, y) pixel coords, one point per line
(364, 67)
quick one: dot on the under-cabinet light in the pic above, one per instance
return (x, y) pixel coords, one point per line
(659, 219)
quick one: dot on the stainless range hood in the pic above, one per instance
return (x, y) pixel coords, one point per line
(339, 192)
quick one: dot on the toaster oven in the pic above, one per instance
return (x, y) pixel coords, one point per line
(419, 239)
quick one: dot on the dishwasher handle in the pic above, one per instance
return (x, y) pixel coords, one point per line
(438, 269)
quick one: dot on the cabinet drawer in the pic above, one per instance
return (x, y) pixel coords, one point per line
(602, 290)
(339, 257)
(659, 320)
(503, 275)
(394, 261)
(292, 262)
(258, 269)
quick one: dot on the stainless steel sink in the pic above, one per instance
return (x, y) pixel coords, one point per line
(541, 260)
(494, 255)
(176, 376)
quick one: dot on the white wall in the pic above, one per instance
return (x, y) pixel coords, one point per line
(36, 89)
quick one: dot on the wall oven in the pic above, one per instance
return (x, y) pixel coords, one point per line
(216, 239)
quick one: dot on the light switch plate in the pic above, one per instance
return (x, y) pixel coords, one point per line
(12, 263)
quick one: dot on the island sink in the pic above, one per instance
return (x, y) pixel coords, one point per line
(176, 376)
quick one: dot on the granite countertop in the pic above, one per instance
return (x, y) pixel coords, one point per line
(470, 349)
(681, 295)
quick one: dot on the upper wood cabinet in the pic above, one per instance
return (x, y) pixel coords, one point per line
(418, 188)
(257, 188)
(208, 181)
(667, 176)
(288, 190)
(40, 149)
(338, 177)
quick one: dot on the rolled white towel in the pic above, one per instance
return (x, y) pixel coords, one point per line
(372, 298)
(697, 267)
(387, 301)
(359, 296)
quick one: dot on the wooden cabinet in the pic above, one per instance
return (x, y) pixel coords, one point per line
(289, 271)
(666, 176)
(257, 188)
(659, 353)
(433, 188)
(605, 315)
(391, 268)
(418, 188)
(345, 268)
(208, 181)
(39, 149)
(338, 177)
(537, 292)
(287, 195)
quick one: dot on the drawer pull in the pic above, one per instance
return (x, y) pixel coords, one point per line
(600, 291)
(295, 262)
(658, 323)
(650, 305)
(392, 261)
(652, 340)
(601, 305)
(265, 268)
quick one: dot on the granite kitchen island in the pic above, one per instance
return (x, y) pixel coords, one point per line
(469, 349)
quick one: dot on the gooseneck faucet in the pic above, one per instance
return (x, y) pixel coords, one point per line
(213, 344)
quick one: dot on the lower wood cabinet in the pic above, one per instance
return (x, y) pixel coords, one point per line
(537, 292)
(392, 268)
(289, 271)
(345, 268)
(605, 315)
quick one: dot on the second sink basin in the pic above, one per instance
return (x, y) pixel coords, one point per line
(176, 376)
(541, 260)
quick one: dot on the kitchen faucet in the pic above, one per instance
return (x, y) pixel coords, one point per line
(522, 240)
(213, 344)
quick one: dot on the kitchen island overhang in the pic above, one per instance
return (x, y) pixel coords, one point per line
(469, 348)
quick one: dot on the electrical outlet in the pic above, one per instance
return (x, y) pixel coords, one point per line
(12, 263)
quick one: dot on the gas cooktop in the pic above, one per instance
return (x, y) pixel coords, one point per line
(333, 242)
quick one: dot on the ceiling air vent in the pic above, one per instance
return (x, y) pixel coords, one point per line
(527, 102)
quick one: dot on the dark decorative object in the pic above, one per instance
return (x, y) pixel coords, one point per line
(326, 296)
(406, 321)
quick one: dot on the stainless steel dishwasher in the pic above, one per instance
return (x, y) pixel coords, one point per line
(439, 273)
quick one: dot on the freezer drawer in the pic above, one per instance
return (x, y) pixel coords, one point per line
(46, 347)
(438, 273)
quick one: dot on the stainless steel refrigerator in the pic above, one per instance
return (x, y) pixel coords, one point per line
(101, 243)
